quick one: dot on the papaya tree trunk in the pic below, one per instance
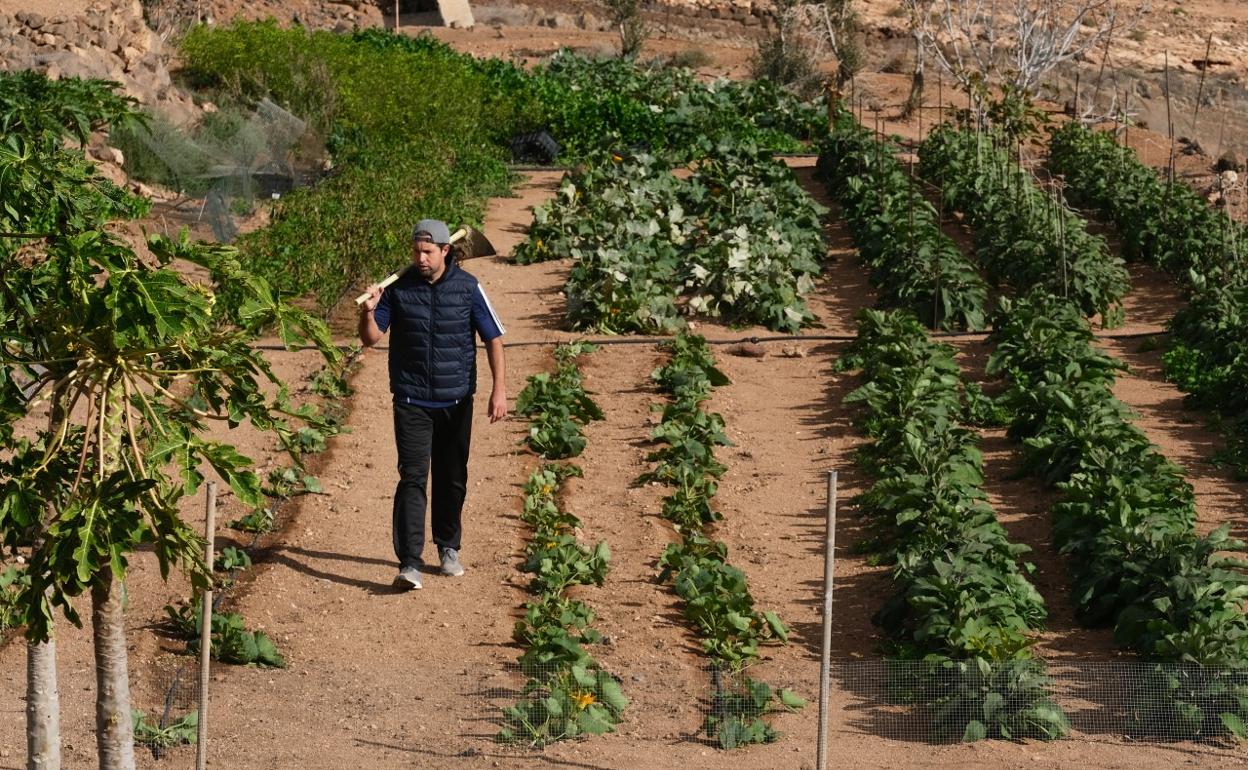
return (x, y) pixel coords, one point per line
(43, 696)
(114, 732)
(43, 707)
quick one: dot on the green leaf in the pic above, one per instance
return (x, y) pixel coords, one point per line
(776, 625)
(1234, 724)
(791, 699)
(975, 731)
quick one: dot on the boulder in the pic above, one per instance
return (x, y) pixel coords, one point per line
(31, 20)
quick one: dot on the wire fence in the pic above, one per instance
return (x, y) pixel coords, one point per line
(948, 702)
(953, 701)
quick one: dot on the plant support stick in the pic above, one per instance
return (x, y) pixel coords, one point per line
(829, 568)
(205, 634)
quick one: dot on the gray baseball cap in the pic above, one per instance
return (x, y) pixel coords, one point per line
(431, 230)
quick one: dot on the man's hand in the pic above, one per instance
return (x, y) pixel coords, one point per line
(369, 333)
(374, 296)
(498, 405)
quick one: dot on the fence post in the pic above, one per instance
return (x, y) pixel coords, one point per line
(205, 634)
(829, 568)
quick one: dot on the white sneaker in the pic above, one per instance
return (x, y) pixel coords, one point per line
(450, 563)
(408, 579)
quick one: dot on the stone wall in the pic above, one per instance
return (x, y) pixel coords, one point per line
(110, 40)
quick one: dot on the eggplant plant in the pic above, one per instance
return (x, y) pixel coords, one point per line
(964, 614)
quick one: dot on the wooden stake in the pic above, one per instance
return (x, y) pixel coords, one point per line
(1096, 93)
(825, 658)
(205, 635)
(1169, 122)
(1200, 90)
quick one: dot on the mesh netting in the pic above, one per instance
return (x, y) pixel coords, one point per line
(229, 160)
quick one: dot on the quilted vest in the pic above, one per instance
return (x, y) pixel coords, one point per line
(433, 355)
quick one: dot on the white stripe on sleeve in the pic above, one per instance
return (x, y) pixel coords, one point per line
(489, 307)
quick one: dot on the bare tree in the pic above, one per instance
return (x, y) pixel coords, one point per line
(835, 26)
(785, 55)
(1013, 42)
(626, 18)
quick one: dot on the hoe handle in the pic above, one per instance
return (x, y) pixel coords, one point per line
(455, 236)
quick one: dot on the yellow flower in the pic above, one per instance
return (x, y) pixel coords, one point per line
(583, 699)
(551, 545)
(547, 489)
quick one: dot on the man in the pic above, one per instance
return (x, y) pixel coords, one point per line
(433, 311)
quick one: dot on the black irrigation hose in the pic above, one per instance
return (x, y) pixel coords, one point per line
(740, 340)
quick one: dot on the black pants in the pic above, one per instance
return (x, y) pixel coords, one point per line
(437, 440)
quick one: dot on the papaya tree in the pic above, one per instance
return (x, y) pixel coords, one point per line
(122, 361)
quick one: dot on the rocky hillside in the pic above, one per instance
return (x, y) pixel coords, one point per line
(105, 39)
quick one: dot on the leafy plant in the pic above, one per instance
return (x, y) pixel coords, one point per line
(1024, 236)
(739, 240)
(963, 605)
(914, 265)
(231, 641)
(13, 580)
(258, 522)
(579, 701)
(1127, 516)
(231, 559)
(178, 732)
(287, 482)
(558, 405)
(1169, 225)
(716, 597)
(735, 716)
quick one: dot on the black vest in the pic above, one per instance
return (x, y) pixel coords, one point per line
(433, 355)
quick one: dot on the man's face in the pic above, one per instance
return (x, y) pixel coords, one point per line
(429, 258)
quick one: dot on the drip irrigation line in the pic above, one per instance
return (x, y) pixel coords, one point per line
(606, 341)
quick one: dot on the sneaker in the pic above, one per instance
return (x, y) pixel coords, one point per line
(408, 579)
(450, 563)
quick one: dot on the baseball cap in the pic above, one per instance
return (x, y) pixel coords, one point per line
(431, 230)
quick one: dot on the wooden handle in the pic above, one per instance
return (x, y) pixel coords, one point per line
(458, 235)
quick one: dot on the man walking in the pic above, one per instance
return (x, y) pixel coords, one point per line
(433, 311)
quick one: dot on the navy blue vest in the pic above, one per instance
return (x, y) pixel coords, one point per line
(433, 355)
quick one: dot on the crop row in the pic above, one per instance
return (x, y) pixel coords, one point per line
(739, 239)
(717, 599)
(567, 693)
(558, 406)
(963, 606)
(1126, 522)
(1169, 225)
(913, 263)
(1024, 237)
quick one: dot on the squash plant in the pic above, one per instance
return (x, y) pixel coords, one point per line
(566, 693)
(739, 239)
(716, 595)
